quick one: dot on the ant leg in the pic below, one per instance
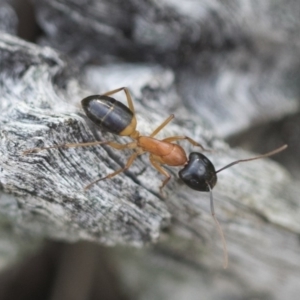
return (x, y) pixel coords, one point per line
(112, 144)
(127, 93)
(128, 164)
(161, 170)
(35, 150)
(162, 125)
(177, 138)
(118, 146)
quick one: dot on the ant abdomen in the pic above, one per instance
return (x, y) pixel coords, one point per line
(107, 112)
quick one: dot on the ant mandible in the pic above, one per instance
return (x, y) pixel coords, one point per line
(198, 172)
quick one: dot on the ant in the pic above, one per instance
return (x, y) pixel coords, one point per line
(198, 172)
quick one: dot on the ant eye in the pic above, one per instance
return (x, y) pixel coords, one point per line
(198, 173)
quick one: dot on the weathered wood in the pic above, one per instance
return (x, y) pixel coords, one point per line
(44, 190)
(225, 76)
(49, 185)
(8, 18)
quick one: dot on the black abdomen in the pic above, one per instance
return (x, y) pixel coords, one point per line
(107, 112)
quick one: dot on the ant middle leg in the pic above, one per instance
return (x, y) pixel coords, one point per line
(162, 125)
(128, 164)
(193, 142)
(161, 170)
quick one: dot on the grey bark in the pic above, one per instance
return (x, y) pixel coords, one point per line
(218, 92)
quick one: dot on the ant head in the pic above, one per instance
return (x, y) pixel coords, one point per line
(199, 173)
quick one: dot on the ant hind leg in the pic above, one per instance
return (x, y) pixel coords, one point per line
(73, 145)
(64, 146)
(128, 96)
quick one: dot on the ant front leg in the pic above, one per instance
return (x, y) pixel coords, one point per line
(161, 170)
(179, 137)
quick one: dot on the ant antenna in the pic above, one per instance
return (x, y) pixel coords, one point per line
(254, 158)
(225, 257)
(212, 209)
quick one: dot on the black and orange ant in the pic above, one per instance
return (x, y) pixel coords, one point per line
(198, 172)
